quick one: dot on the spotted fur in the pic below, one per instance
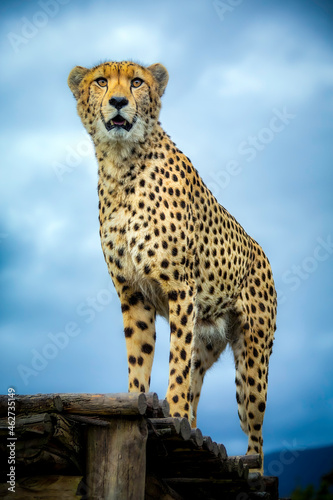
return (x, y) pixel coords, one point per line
(172, 249)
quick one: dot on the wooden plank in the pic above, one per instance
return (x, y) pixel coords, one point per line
(116, 460)
(82, 404)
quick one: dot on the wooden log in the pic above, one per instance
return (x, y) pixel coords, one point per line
(152, 403)
(254, 478)
(215, 449)
(157, 408)
(82, 404)
(163, 410)
(91, 420)
(126, 404)
(38, 403)
(222, 452)
(165, 426)
(252, 461)
(116, 460)
(197, 437)
(235, 467)
(207, 443)
(171, 427)
(40, 423)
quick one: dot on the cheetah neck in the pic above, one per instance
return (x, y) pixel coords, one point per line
(121, 162)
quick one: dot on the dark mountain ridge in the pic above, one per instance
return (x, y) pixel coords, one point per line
(299, 467)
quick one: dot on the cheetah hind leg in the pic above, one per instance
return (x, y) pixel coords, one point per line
(251, 362)
(207, 350)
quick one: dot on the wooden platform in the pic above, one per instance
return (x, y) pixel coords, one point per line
(117, 447)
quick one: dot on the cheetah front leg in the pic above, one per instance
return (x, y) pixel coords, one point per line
(181, 319)
(139, 328)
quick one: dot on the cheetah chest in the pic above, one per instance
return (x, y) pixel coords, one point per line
(130, 253)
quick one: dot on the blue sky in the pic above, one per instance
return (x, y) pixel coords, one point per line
(250, 101)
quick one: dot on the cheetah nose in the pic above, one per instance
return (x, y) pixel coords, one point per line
(118, 102)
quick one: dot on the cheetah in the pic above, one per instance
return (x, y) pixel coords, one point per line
(171, 249)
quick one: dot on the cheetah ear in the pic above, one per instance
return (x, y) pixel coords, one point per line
(75, 78)
(161, 76)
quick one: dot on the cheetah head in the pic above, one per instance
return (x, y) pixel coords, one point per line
(118, 102)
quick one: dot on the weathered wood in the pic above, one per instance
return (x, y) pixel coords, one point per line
(163, 410)
(254, 478)
(82, 404)
(197, 437)
(39, 423)
(178, 459)
(152, 403)
(234, 466)
(252, 461)
(42, 488)
(171, 427)
(165, 426)
(210, 445)
(82, 419)
(116, 460)
(38, 403)
(45, 442)
(215, 449)
(222, 452)
(126, 404)
(207, 443)
(157, 408)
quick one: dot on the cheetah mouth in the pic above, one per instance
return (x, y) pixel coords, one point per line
(118, 122)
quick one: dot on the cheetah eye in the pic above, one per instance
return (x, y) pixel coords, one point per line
(137, 82)
(102, 82)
